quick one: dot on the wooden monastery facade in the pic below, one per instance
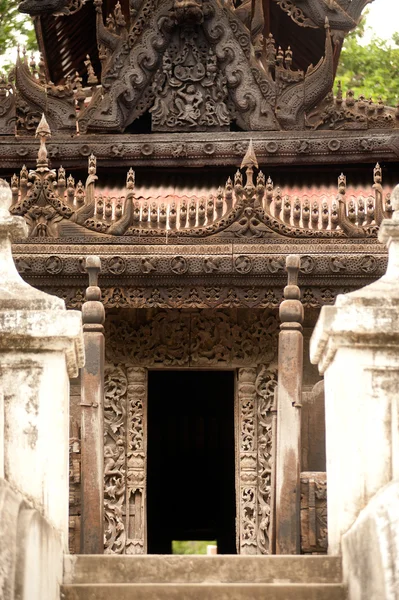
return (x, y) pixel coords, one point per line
(150, 107)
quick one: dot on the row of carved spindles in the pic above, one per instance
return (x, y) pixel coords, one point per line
(319, 214)
(308, 213)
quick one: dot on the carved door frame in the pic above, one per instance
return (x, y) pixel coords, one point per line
(125, 412)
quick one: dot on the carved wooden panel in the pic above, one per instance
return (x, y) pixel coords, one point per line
(125, 410)
(115, 400)
(255, 393)
(203, 338)
(314, 513)
(136, 540)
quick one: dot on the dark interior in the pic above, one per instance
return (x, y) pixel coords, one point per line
(191, 459)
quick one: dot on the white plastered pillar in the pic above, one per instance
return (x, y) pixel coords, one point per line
(41, 346)
(356, 346)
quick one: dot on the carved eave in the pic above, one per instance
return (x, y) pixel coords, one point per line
(245, 209)
(36, 8)
(343, 16)
(33, 98)
(222, 275)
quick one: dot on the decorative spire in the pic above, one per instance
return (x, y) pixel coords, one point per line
(130, 180)
(43, 132)
(250, 160)
(249, 163)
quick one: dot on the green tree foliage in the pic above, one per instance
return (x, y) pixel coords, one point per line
(15, 28)
(370, 69)
(190, 547)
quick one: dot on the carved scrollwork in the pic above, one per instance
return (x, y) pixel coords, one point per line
(115, 389)
(265, 385)
(255, 402)
(248, 514)
(202, 338)
(136, 541)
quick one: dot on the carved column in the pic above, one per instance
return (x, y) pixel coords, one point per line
(247, 508)
(92, 444)
(125, 455)
(290, 366)
(136, 535)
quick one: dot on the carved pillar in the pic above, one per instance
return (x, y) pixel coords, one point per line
(125, 452)
(136, 534)
(92, 444)
(247, 505)
(290, 366)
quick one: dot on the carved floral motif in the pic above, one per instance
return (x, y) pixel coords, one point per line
(115, 388)
(202, 338)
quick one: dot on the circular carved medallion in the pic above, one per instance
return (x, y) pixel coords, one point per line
(179, 265)
(54, 265)
(334, 145)
(243, 264)
(117, 265)
(307, 264)
(368, 264)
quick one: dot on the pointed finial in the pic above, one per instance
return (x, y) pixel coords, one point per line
(43, 129)
(250, 161)
(130, 179)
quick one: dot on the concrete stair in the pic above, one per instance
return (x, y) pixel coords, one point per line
(202, 578)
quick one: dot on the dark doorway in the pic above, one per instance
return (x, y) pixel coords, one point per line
(191, 462)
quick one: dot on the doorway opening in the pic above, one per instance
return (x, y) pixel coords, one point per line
(191, 459)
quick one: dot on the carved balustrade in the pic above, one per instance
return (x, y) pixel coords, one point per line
(55, 206)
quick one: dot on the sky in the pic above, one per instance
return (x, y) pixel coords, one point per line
(383, 18)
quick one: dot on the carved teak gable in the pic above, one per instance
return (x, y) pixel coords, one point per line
(191, 65)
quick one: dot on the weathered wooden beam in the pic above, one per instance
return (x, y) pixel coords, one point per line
(288, 460)
(92, 434)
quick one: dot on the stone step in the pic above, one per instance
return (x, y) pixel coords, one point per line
(96, 569)
(197, 591)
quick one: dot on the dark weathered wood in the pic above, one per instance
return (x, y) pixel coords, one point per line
(290, 365)
(92, 434)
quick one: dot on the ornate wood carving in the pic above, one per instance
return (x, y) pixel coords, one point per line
(115, 392)
(125, 410)
(255, 394)
(265, 384)
(136, 539)
(343, 16)
(203, 149)
(248, 462)
(54, 7)
(244, 209)
(201, 338)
